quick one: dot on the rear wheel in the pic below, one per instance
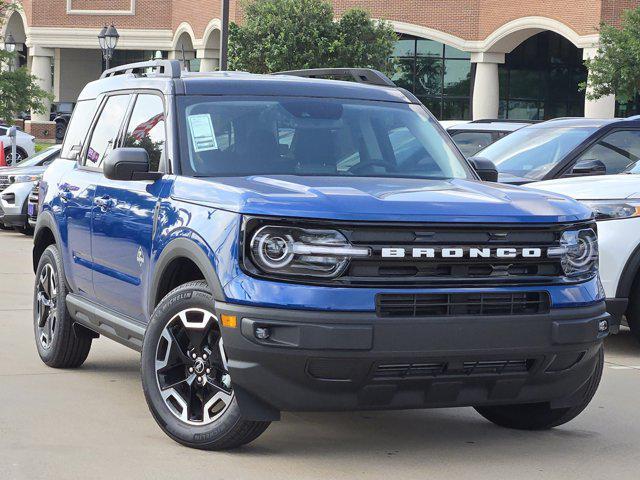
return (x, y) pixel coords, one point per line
(60, 344)
(540, 416)
(185, 377)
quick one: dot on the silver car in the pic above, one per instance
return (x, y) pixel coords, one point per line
(16, 184)
(25, 146)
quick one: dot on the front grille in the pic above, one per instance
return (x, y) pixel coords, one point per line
(457, 304)
(34, 198)
(465, 368)
(4, 182)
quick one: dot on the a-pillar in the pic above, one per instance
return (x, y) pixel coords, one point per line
(486, 86)
(209, 59)
(604, 107)
(40, 125)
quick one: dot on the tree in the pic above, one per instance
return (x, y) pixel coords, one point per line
(19, 90)
(293, 34)
(615, 69)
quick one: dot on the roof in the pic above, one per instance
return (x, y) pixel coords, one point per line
(240, 83)
(586, 122)
(488, 127)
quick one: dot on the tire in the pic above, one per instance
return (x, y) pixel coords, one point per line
(183, 324)
(59, 343)
(633, 310)
(9, 159)
(540, 416)
(61, 128)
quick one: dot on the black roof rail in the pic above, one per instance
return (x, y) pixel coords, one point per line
(360, 75)
(503, 120)
(164, 68)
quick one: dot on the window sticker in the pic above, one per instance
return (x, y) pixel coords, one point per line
(202, 134)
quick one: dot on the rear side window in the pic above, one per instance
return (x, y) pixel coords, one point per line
(618, 151)
(78, 128)
(106, 130)
(146, 128)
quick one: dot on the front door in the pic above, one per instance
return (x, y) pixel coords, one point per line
(123, 217)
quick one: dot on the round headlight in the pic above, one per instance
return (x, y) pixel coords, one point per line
(274, 251)
(578, 252)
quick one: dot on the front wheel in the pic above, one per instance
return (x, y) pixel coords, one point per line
(540, 416)
(185, 377)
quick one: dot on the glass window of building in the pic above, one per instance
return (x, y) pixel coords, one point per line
(540, 79)
(439, 75)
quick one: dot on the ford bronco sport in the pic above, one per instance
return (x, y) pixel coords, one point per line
(286, 243)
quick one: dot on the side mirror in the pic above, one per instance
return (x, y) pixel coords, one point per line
(128, 164)
(588, 167)
(485, 169)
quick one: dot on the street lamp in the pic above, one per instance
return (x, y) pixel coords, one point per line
(10, 43)
(108, 40)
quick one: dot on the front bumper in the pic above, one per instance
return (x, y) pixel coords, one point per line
(319, 361)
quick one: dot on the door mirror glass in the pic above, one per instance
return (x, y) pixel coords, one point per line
(128, 164)
(589, 167)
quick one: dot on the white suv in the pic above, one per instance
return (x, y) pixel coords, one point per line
(615, 199)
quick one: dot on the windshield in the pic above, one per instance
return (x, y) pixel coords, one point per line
(471, 142)
(532, 152)
(39, 157)
(239, 136)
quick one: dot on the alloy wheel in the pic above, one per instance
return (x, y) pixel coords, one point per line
(46, 301)
(191, 368)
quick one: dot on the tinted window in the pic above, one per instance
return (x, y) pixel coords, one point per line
(78, 128)
(146, 128)
(532, 152)
(618, 151)
(106, 130)
(471, 143)
(306, 136)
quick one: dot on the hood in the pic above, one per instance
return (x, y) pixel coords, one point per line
(602, 187)
(34, 170)
(378, 199)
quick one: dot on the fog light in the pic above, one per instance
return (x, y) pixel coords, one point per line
(603, 326)
(262, 333)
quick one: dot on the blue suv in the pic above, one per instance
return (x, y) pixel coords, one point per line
(288, 243)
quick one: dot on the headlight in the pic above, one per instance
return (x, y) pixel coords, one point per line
(578, 252)
(24, 178)
(615, 209)
(301, 251)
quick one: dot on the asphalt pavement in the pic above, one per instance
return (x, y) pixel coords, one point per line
(93, 423)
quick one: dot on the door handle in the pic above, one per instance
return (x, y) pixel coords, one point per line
(104, 203)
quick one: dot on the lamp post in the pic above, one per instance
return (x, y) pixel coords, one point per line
(224, 35)
(108, 40)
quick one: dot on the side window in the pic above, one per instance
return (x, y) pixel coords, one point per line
(106, 130)
(471, 143)
(617, 151)
(146, 128)
(77, 129)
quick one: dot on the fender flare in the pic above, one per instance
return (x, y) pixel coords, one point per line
(629, 274)
(45, 221)
(184, 248)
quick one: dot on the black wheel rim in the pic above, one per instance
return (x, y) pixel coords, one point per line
(191, 368)
(11, 161)
(46, 301)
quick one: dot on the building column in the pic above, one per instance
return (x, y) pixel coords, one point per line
(486, 87)
(209, 59)
(40, 125)
(604, 107)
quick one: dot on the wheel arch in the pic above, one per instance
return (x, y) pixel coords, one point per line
(46, 233)
(179, 253)
(630, 275)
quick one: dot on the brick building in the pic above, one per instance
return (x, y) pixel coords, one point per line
(463, 58)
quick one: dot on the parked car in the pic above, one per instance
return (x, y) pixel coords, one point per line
(60, 113)
(471, 137)
(33, 202)
(615, 199)
(25, 146)
(16, 184)
(569, 147)
(259, 268)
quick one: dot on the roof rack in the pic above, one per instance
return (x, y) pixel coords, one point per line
(503, 120)
(163, 68)
(360, 75)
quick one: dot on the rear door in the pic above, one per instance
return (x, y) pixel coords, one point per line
(79, 190)
(124, 215)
